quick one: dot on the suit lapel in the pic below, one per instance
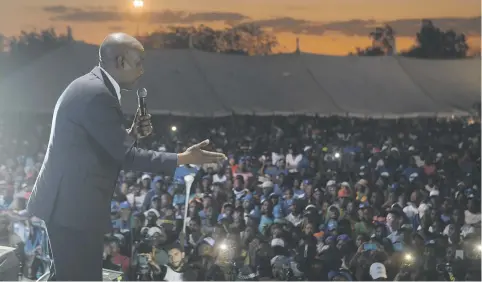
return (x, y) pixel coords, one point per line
(102, 76)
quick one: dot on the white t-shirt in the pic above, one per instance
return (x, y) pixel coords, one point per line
(275, 157)
(466, 230)
(172, 275)
(295, 220)
(410, 210)
(21, 231)
(293, 161)
(217, 178)
(136, 201)
(471, 218)
(430, 188)
(419, 161)
(214, 166)
(421, 209)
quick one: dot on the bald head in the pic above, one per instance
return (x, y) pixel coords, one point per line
(121, 55)
(117, 44)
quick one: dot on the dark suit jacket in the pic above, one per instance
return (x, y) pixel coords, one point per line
(88, 147)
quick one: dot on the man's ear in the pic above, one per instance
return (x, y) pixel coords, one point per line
(119, 62)
(183, 254)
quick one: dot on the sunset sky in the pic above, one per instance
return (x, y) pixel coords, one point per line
(324, 26)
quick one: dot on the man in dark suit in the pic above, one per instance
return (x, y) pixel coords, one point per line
(88, 147)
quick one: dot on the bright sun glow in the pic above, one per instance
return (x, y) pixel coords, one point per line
(138, 3)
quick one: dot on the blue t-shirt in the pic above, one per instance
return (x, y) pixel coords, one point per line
(274, 171)
(410, 170)
(179, 199)
(285, 205)
(265, 221)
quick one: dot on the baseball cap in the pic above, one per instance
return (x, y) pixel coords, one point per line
(145, 176)
(153, 211)
(343, 237)
(154, 230)
(277, 242)
(330, 183)
(377, 271)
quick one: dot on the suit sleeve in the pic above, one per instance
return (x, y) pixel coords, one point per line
(103, 120)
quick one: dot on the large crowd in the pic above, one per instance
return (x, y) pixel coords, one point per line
(299, 198)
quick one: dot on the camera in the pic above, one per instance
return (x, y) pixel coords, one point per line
(143, 270)
(369, 247)
(143, 263)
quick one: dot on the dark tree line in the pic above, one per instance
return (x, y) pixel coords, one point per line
(28, 46)
(243, 39)
(246, 39)
(431, 43)
(33, 44)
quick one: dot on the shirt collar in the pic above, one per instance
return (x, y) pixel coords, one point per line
(114, 83)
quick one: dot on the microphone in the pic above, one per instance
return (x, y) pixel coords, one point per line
(141, 101)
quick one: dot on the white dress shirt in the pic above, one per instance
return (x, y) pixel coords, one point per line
(114, 83)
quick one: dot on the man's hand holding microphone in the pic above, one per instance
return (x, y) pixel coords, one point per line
(142, 127)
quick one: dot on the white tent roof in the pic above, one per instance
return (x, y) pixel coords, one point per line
(195, 83)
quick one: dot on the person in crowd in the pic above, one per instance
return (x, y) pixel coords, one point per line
(116, 258)
(35, 264)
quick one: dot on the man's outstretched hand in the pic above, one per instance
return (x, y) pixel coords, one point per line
(197, 156)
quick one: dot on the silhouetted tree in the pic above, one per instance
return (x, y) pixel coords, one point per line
(28, 46)
(242, 39)
(434, 43)
(383, 43)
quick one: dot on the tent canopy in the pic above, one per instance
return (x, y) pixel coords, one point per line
(195, 83)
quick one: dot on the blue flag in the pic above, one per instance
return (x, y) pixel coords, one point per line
(182, 171)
